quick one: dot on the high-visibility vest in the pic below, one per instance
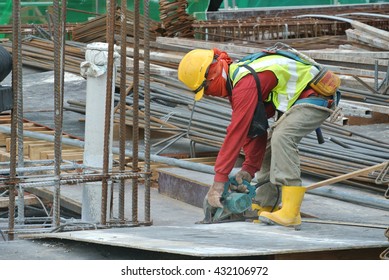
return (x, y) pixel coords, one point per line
(292, 75)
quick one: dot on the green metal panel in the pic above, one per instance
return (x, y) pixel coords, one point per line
(195, 7)
(5, 11)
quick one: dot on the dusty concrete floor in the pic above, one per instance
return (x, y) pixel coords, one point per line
(175, 234)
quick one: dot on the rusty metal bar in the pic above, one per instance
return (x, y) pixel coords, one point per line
(108, 103)
(122, 121)
(16, 74)
(80, 179)
(58, 101)
(146, 59)
(20, 128)
(135, 128)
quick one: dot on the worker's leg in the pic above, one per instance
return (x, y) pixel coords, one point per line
(267, 194)
(285, 164)
(297, 123)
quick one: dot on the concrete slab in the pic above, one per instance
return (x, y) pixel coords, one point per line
(175, 232)
(240, 239)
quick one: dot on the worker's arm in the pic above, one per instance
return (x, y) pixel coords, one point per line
(254, 150)
(244, 100)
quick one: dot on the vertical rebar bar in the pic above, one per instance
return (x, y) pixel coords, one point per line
(16, 70)
(123, 93)
(20, 124)
(146, 58)
(108, 103)
(58, 101)
(135, 127)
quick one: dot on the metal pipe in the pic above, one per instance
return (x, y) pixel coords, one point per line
(327, 17)
(28, 162)
(350, 197)
(42, 168)
(365, 14)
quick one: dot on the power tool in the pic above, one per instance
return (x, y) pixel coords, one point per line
(234, 203)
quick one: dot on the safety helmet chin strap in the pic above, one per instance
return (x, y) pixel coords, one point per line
(229, 85)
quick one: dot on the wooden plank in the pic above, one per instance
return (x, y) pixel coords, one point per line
(4, 156)
(25, 144)
(29, 199)
(75, 154)
(3, 136)
(376, 33)
(5, 121)
(35, 128)
(35, 149)
(204, 160)
(367, 38)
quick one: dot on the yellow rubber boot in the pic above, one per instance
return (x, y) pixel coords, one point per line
(259, 209)
(289, 215)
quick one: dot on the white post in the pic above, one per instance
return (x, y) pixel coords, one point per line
(226, 5)
(95, 69)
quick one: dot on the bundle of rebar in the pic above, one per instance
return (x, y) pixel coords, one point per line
(277, 28)
(282, 24)
(176, 22)
(94, 30)
(39, 53)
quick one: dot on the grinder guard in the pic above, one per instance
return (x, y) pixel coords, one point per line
(234, 203)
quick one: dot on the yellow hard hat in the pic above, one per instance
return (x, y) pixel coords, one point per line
(193, 69)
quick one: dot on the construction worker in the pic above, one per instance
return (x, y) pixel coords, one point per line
(284, 88)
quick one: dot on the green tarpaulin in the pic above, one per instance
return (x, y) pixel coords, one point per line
(31, 10)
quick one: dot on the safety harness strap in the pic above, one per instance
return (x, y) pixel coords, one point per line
(259, 123)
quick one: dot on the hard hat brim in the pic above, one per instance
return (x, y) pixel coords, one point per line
(199, 95)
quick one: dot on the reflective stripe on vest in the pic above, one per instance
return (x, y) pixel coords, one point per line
(296, 74)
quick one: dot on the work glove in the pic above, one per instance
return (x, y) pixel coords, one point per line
(215, 193)
(239, 177)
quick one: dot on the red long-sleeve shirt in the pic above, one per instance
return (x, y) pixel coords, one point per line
(243, 102)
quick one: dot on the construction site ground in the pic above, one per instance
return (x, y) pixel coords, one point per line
(176, 235)
(332, 229)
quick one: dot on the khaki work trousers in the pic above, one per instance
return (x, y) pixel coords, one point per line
(281, 164)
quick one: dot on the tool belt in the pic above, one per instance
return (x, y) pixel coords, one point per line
(316, 101)
(325, 82)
